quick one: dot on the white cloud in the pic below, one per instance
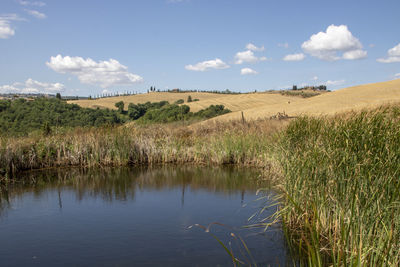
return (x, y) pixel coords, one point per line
(355, 54)
(36, 14)
(32, 86)
(337, 39)
(247, 71)
(294, 57)
(6, 30)
(31, 3)
(252, 47)
(395, 51)
(206, 65)
(103, 73)
(247, 57)
(389, 60)
(397, 75)
(393, 55)
(337, 82)
(315, 78)
(284, 45)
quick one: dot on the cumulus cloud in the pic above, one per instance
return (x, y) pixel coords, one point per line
(252, 47)
(6, 30)
(294, 57)
(206, 65)
(247, 71)
(247, 57)
(397, 75)
(31, 3)
(33, 87)
(393, 55)
(102, 73)
(36, 14)
(355, 54)
(314, 78)
(330, 44)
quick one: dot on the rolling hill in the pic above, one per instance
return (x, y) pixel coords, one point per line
(262, 105)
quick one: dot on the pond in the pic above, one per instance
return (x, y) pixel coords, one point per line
(137, 217)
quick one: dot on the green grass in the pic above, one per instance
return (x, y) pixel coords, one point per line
(342, 187)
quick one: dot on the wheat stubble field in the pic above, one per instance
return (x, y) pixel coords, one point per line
(266, 104)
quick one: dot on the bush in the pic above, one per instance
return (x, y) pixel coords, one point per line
(120, 105)
(179, 101)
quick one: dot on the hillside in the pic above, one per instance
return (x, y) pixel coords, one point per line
(266, 104)
(109, 102)
(234, 102)
(351, 98)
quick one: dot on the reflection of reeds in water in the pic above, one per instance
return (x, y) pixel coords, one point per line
(122, 183)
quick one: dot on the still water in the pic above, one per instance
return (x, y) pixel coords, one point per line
(136, 217)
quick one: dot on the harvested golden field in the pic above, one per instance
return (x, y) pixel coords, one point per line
(267, 104)
(109, 102)
(343, 100)
(235, 102)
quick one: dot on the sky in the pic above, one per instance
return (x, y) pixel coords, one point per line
(93, 47)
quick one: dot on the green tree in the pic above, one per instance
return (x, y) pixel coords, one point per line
(120, 105)
(189, 99)
(58, 96)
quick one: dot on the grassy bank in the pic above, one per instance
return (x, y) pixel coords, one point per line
(221, 143)
(340, 176)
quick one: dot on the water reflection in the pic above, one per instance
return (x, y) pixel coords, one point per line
(121, 184)
(132, 216)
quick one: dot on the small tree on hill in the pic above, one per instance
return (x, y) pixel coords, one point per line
(189, 99)
(120, 105)
(58, 96)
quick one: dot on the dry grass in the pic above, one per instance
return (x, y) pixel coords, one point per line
(344, 100)
(219, 143)
(264, 105)
(109, 102)
(234, 102)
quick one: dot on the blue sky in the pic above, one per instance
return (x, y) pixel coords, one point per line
(86, 47)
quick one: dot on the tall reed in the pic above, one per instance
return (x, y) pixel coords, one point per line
(342, 187)
(226, 143)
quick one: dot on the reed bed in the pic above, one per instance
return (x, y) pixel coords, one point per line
(342, 188)
(220, 143)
